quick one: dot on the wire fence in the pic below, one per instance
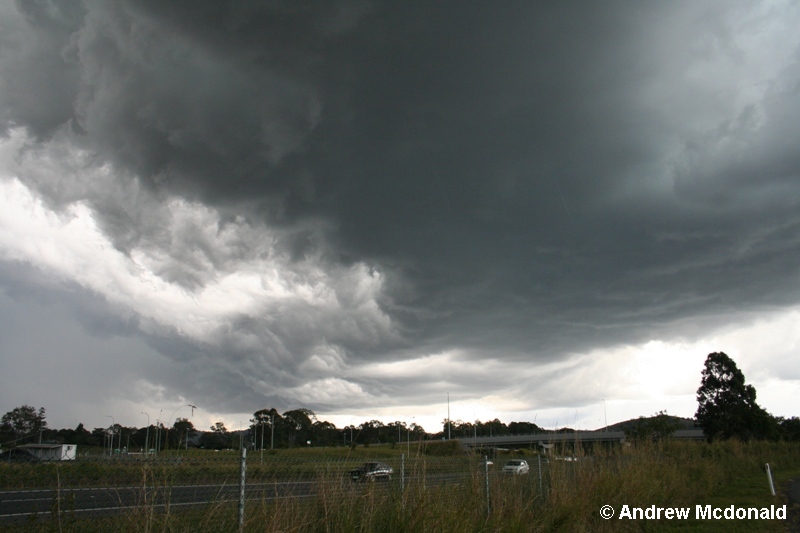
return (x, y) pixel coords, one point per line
(226, 491)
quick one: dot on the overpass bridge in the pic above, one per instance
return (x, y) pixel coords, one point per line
(547, 440)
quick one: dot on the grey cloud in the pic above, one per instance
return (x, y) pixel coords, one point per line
(530, 180)
(37, 86)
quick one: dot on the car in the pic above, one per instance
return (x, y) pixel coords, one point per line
(516, 467)
(371, 472)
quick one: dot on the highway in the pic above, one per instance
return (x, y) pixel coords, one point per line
(17, 505)
(21, 505)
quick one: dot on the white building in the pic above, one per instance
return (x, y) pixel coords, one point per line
(52, 452)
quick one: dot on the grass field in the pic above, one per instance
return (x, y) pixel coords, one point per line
(667, 474)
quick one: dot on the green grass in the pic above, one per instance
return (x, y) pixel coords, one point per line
(669, 474)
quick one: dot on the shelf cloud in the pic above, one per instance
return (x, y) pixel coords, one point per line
(358, 206)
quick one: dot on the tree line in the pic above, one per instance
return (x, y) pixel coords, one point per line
(727, 408)
(268, 429)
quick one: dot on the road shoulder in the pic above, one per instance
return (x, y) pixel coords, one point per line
(792, 493)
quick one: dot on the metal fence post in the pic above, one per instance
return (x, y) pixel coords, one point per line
(402, 473)
(541, 491)
(769, 477)
(486, 472)
(242, 470)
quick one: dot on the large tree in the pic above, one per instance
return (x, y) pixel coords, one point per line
(297, 425)
(217, 439)
(727, 406)
(24, 421)
(182, 429)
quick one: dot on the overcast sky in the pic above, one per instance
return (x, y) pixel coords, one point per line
(551, 211)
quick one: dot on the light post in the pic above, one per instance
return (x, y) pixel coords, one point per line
(262, 420)
(158, 431)
(187, 429)
(147, 435)
(604, 415)
(414, 424)
(170, 420)
(111, 446)
(448, 416)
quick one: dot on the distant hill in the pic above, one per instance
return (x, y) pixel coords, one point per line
(680, 423)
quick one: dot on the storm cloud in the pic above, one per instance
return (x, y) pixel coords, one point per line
(363, 204)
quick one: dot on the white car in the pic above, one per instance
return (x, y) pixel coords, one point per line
(516, 467)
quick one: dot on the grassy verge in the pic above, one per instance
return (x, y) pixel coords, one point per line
(452, 493)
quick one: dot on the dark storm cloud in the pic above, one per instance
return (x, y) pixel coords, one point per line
(533, 180)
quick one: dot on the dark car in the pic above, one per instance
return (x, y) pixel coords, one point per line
(372, 472)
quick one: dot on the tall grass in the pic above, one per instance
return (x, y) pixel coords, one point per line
(567, 498)
(667, 474)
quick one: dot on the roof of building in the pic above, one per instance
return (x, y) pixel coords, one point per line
(44, 446)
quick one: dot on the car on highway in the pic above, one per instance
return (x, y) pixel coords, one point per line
(372, 472)
(516, 467)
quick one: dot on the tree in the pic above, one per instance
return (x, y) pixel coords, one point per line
(182, 429)
(298, 422)
(523, 428)
(727, 406)
(324, 433)
(790, 427)
(217, 439)
(657, 427)
(80, 436)
(24, 421)
(262, 425)
(492, 428)
(370, 432)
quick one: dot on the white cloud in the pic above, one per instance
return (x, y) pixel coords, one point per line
(614, 384)
(299, 315)
(239, 267)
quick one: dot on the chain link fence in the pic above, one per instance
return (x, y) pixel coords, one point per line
(331, 490)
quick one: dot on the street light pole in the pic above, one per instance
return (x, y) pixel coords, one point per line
(111, 446)
(158, 432)
(448, 416)
(147, 435)
(170, 419)
(262, 439)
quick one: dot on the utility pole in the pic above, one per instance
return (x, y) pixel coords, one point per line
(147, 435)
(448, 416)
(111, 446)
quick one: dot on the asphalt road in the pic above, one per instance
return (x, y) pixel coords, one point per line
(21, 505)
(16, 505)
